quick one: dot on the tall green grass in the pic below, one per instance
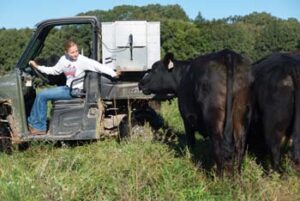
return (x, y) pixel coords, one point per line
(99, 171)
(136, 170)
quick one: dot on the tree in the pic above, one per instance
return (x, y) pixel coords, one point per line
(259, 19)
(151, 12)
(218, 34)
(12, 43)
(199, 19)
(255, 35)
(181, 38)
(280, 36)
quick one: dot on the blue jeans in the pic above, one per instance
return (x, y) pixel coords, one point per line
(38, 115)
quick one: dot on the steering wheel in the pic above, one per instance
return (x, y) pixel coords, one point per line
(39, 74)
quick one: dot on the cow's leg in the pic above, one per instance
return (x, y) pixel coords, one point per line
(187, 111)
(241, 121)
(215, 123)
(276, 155)
(223, 165)
(273, 139)
(296, 149)
(239, 145)
(190, 134)
(296, 129)
(296, 135)
(217, 153)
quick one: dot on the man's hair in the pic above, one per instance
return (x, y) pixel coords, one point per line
(68, 44)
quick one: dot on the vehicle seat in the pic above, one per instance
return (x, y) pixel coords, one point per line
(78, 95)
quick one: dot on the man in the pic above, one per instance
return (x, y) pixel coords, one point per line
(73, 65)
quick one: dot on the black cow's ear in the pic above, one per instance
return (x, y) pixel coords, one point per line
(168, 60)
(169, 56)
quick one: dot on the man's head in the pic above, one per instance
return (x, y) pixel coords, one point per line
(71, 49)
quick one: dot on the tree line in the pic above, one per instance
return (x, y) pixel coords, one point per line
(255, 35)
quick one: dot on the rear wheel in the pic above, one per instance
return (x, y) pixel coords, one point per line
(131, 129)
(23, 146)
(5, 138)
(140, 124)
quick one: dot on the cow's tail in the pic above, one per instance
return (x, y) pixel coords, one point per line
(295, 74)
(228, 147)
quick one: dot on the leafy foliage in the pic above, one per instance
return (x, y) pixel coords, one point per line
(12, 44)
(154, 12)
(255, 35)
(278, 36)
(182, 38)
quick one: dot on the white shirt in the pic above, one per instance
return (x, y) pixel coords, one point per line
(76, 69)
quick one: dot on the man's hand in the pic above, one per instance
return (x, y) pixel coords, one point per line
(33, 63)
(118, 73)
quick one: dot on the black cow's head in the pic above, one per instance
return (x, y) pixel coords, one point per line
(160, 79)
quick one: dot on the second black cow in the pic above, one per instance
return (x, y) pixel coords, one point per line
(276, 103)
(213, 98)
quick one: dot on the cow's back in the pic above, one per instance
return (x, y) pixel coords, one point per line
(207, 81)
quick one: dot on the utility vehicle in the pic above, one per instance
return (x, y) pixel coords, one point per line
(106, 107)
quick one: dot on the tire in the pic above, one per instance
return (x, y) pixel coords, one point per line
(137, 128)
(5, 139)
(129, 130)
(23, 146)
(149, 115)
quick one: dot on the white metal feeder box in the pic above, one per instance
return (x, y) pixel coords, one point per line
(130, 45)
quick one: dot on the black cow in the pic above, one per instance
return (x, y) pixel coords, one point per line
(212, 93)
(276, 103)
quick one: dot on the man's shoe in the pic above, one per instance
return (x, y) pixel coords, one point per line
(34, 131)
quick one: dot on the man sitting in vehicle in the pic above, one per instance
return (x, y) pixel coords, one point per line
(73, 65)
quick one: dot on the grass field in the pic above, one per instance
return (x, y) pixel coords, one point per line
(140, 169)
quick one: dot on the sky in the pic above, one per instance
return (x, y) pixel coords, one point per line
(26, 13)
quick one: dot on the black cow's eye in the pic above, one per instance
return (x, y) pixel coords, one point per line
(153, 70)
